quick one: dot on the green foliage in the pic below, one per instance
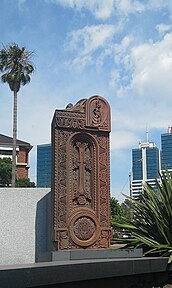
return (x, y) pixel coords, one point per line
(15, 65)
(5, 171)
(118, 211)
(151, 223)
(24, 183)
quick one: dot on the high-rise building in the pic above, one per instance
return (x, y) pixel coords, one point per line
(166, 150)
(44, 165)
(145, 167)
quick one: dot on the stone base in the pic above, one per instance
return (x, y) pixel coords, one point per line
(144, 272)
(67, 255)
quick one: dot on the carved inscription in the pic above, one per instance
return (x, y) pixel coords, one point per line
(70, 120)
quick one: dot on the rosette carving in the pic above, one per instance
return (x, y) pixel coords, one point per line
(84, 228)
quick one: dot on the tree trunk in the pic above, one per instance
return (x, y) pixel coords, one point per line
(13, 183)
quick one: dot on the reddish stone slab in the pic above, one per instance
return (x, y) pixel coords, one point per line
(81, 175)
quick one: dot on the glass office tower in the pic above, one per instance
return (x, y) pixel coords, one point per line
(166, 150)
(44, 165)
(145, 167)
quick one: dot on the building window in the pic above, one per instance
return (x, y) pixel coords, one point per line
(6, 152)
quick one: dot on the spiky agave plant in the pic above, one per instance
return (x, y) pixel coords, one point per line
(151, 222)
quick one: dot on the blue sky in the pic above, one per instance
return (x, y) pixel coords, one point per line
(119, 49)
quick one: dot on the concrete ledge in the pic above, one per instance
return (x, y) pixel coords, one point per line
(89, 254)
(61, 272)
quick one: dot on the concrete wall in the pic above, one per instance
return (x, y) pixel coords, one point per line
(112, 273)
(25, 222)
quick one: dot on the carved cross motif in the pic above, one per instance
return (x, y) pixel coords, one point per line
(82, 163)
(80, 175)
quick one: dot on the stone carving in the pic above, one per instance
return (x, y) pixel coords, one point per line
(68, 119)
(82, 168)
(84, 228)
(98, 113)
(81, 181)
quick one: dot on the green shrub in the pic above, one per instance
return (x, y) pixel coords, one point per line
(151, 222)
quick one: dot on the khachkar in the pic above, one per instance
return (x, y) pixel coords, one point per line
(81, 175)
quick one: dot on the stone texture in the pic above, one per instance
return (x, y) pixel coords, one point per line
(81, 181)
(25, 224)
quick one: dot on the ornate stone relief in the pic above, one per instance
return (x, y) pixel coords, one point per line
(98, 113)
(82, 173)
(81, 184)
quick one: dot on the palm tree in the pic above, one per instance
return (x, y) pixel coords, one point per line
(16, 67)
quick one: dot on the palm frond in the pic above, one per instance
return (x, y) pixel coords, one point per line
(16, 65)
(151, 223)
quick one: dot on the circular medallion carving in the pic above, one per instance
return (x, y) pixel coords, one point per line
(82, 200)
(84, 228)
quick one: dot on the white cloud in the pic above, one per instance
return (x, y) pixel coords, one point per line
(158, 4)
(129, 6)
(123, 139)
(142, 74)
(79, 62)
(114, 79)
(163, 28)
(84, 42)
(99, 8)
(90, 38)
(146, 97)
(152, 66)
(148, 67)
(103, 9)
(120, 50)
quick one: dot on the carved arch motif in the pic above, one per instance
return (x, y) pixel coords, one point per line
(81, 182)
(82, 170)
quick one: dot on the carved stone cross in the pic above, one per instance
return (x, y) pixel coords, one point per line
(82, 164)
(80, 175)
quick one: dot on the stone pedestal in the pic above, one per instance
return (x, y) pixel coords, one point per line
(68, 255)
